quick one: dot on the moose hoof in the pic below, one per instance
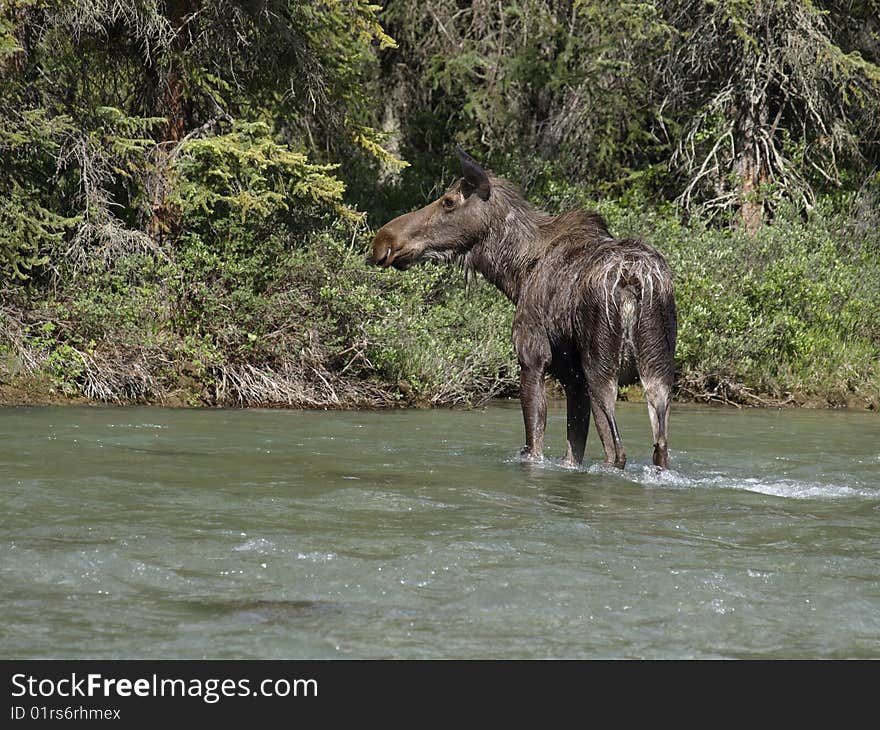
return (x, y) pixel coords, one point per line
(529, 457)
(661, 457)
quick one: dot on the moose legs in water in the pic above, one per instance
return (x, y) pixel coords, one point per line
(534, 404)
(654, 361)
(534, 409)
(577, 412)
(567, 369)
(590, 375)
(657, 395)
(606, 343)
(603, 395)
(533, 353)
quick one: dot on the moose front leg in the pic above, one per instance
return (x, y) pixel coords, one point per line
(534, 408)
(533, 352)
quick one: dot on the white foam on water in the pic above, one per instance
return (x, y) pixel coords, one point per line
(316, 557)
(652, 476)
(256, 545)
(551, 464)
(793, 489)
(135, 425)
(775, 487)
(656, 477)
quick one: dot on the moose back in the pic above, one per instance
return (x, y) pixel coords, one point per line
(591, 309)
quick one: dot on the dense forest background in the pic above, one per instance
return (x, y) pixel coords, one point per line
(188, 190)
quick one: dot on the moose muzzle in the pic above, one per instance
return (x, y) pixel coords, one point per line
(392, 245)
(384, 246)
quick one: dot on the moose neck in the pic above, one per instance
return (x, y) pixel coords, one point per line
(513, 243)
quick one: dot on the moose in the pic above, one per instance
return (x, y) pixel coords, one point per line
(592, 310)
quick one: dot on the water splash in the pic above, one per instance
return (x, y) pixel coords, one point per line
(137, 425)
(793, 489)
(257, 545)
(649, 475)
(316, 556)
(772, 486)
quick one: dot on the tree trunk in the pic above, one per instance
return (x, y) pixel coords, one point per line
(751, 211)
(748, 165)
(395, 109)
(174, 105)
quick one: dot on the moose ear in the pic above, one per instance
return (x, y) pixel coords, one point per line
(475, 178)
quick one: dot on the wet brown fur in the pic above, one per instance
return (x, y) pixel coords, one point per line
(591, 309)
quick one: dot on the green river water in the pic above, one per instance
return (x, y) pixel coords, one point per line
(164, 533)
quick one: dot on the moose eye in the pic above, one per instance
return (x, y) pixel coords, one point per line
(447, 203)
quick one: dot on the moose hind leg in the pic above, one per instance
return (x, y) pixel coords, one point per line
(657, 393)
(603, 395)
(655, 345)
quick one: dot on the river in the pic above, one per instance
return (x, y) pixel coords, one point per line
(184, 533)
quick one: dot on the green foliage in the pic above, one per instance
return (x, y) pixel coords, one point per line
(535, 87)
(246, 172)
(434, 339)
(184, 188)
(8, 44)
(774, 98)
(729, 108)
(26, 231)
(29, 227)
(140, 120)
(217, 313)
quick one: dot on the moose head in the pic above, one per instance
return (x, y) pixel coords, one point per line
(443, 229)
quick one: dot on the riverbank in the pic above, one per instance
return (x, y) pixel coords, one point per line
(788, 317)
(40, 391)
